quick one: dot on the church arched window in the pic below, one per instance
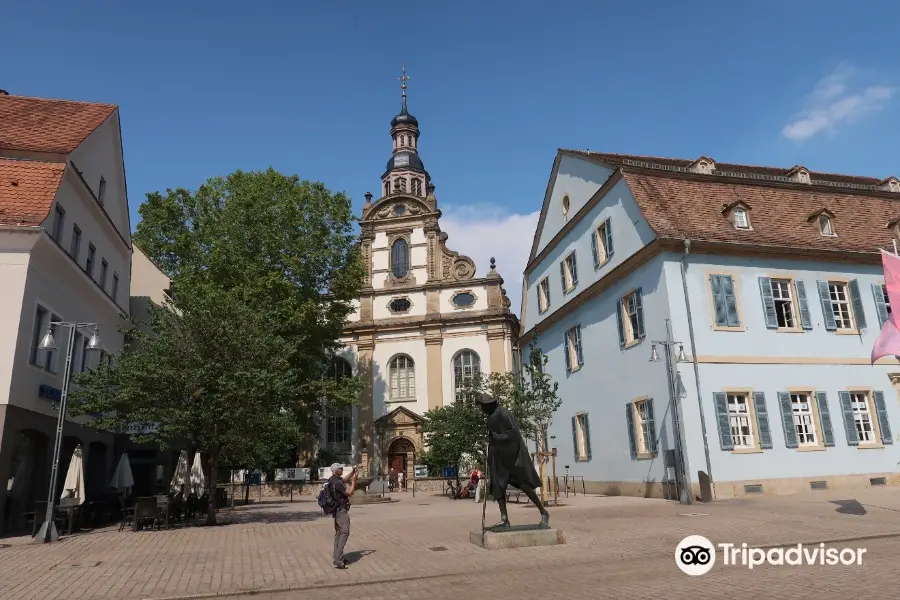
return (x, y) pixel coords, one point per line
(402, 374)
(466, 365)
(400, 258)
(403, 184)
(387, 188)
(417, 187)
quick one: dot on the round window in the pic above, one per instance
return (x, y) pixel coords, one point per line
(565, 205)
(464, 299)
(400, 305)
(400, 209)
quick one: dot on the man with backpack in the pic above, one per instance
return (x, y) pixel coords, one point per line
(336, 502)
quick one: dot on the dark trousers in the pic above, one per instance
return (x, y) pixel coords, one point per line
(341, 533)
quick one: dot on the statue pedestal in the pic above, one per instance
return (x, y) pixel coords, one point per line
(517, 537)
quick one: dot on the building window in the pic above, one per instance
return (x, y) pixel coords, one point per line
(402, 378)
(641, 428)
(882, 303)
(417, 187)
(339, 419)
(463, 299)
(839, 299)
(399, 305)
(741, 219)
(75, 248)
(804, 425)
(725, 306)
(387, 188)
(572, 348)
(466, 365)
(89, 265)
(862, 417)
(602, 243)
(41, 323)
(826, 226)
(402, 184)
(543, 295)
(565, 205)
(85, 353)
(101, 191)
(115, 287)
(568, 270)
(400, 258)
(59, 218)
(630, 318)
(581, 437)
(739, 421)
(104, 268)
(784, 303)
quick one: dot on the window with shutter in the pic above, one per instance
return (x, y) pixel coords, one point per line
(632, 318)
(724, 298)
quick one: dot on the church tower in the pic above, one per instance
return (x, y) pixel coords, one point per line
(424, 324)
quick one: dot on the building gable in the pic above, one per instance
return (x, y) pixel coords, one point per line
(48, 126)
(573, 181)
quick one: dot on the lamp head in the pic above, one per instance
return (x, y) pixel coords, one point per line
(47, 342)
(654, 357)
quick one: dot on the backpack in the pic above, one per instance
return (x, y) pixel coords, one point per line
(326, 499)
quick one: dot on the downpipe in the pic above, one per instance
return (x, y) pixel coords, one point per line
(690, 320)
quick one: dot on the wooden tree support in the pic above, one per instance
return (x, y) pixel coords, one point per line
(552, 456)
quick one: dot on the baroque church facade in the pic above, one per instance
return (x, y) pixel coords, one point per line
(424, 322)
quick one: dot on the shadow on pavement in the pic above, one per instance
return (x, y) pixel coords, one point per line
(356, 555)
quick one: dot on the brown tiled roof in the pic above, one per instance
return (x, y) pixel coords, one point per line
(686, 206)
(617, 160)
(42, 125)
(27, 190)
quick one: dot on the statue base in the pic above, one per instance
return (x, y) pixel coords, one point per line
(521, 536)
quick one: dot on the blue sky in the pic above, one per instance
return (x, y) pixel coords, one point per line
(208, 87)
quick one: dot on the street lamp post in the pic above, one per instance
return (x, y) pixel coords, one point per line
(669, 344)
(47, 532)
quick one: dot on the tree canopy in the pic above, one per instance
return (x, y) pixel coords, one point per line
(456, 433)
(264, 271)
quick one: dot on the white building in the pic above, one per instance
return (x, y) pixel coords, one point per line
(65, 255)
(424, 321)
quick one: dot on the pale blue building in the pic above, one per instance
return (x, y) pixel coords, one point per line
(772, 282)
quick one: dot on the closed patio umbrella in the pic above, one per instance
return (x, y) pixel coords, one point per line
(73, 488)
(197, 481)
(122, 480)
(182, 473)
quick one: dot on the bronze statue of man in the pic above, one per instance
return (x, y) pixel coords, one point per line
(509, 462)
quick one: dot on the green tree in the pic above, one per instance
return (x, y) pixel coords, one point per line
(533, 398)
(455, 433)
(265, 268)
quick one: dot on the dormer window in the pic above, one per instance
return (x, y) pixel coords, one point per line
(703, 165)
(826, 226)
(894, 226)
(891, 184)
(799, 174)
(739, 215)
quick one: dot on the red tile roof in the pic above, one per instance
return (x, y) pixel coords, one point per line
(680, 204)
(27, 190)
(42, 125)
(681, 207)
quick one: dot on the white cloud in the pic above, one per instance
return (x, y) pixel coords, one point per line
(481, 232)
(836, 101)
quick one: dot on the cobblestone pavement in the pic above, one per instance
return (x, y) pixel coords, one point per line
(616, 547)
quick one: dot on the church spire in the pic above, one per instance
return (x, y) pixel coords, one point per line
(405, 172)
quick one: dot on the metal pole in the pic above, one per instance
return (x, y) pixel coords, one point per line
(555, 483)
(685, 496)
(47, 532)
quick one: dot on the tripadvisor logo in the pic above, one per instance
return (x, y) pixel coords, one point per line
(696, 555)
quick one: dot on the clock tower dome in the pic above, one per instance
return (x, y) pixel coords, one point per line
(405, 173)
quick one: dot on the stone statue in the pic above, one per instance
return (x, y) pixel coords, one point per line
(509, 462)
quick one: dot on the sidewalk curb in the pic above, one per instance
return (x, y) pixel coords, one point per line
(387, 580)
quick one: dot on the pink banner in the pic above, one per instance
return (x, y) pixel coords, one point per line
(888, 342)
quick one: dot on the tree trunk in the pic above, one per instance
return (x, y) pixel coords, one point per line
(213, 488)
(541, 462)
